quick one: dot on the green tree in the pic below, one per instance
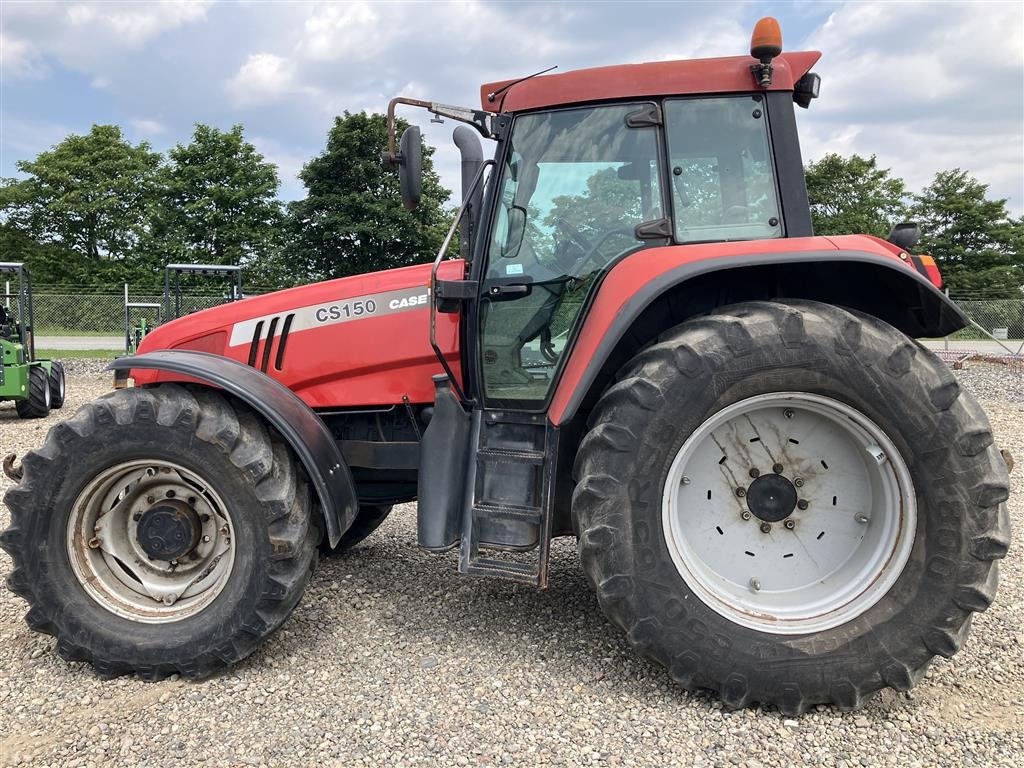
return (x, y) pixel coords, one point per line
(218, 201)
(352, 219)
(89, 194)
(852, 195)
(974, 240)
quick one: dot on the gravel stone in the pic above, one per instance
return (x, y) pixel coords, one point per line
(519, 677)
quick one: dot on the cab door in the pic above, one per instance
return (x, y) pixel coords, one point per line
(576, 190)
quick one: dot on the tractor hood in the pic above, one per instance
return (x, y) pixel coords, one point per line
(355, 341)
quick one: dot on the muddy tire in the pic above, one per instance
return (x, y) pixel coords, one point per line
(201, 539)
(57, 385)
(368, 520)
(37, 403)
(711, 571)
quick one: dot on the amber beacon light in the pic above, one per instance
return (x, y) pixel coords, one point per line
(765, 45)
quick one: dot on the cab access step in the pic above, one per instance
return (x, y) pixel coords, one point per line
(486, 484)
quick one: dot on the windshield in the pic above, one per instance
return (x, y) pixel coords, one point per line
(573, 188)
(723, 183)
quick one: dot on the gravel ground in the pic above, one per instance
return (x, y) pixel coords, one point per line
(392, 659)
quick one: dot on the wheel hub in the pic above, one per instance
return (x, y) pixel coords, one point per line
(169, 529)
(771, 498)
(796, 554)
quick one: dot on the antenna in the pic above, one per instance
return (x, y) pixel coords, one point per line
(492, 96)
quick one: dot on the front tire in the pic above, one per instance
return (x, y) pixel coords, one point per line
(160, 530)
(707, 580)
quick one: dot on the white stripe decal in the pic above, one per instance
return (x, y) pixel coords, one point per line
(331, 313)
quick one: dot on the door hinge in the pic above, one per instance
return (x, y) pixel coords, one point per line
(449, 294)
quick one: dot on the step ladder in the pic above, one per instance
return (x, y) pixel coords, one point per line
(506, 529)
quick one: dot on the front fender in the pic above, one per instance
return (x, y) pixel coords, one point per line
(298, 424)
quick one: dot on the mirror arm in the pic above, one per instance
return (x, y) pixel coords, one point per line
(475, 117)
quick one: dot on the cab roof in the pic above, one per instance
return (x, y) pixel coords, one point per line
(731, 74)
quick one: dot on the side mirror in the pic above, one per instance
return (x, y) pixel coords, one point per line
(905, 235)
(410, 167)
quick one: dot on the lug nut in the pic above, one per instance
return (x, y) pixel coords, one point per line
(802, 504)
(206, 538)
(755, 584)
(790, 525)
(137, 516)
(754, 472)
(94, 542)
(745, 515)
(150, 499)
(741, 492)
(788, 413)
(766, 528)
(799, 482)
(862, 519)
(686, 480)
(192, 500)
(170, 494)
(777, 469)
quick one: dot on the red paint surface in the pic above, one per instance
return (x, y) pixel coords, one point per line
(627, 277)
(660, 78)
(369, 361)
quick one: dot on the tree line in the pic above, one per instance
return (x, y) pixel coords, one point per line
(96, 211)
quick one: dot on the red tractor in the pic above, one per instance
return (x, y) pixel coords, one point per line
(777, 493)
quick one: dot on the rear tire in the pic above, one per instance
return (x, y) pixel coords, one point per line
(624, 508)
(57, 385)
(104, 461)
(36, 404)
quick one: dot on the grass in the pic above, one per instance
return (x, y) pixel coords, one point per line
(66, 354)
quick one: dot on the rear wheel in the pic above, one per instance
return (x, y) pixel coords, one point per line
(160, 530)
(57, 385)
(36, 403)
(791, 504)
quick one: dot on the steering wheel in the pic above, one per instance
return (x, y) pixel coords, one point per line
(575, 236)
(588, 256)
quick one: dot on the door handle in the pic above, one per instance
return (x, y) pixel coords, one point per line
(509, 291)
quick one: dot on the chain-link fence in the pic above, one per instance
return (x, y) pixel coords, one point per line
(1000, 319)
(76, 314)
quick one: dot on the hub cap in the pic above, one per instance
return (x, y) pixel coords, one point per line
(150, 541)
(789, 513)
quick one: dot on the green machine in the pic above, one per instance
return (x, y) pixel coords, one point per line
(34, 385)
(136, 322)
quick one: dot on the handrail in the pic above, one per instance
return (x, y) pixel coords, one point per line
(433, 278)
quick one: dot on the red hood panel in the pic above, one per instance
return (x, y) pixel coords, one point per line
(356, 341)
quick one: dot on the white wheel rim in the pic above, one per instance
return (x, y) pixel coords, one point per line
(819, 566)
(111, 564)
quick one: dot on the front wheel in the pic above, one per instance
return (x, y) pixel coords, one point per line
(792, 504)
(160, 530)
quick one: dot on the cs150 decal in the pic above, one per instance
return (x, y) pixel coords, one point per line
(340, 311)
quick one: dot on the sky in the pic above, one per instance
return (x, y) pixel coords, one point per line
(924, 86)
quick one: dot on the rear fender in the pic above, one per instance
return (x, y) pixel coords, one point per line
(298, 424)
(625, 294)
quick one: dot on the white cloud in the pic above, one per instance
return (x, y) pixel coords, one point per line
(19, 58)
(85, 35)
(147, 127)
(344, 30)
(263, 79)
